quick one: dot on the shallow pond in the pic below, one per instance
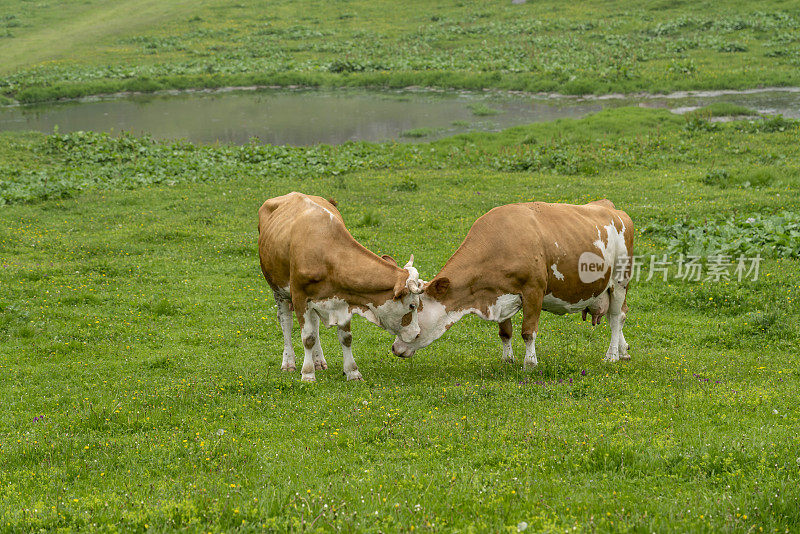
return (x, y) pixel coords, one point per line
(305, 117)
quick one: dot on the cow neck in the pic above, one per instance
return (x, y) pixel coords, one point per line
(471, 290)
(366, 278)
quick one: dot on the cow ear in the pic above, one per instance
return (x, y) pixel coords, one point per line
(400, 292)
(438, 288)
(389, 259)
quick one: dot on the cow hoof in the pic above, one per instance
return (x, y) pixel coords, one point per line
(610, 357)
(354, 375)
(529, 365)
(511, 359)
(624, 356)
(288, 367)
(308, 378)
(320, 366)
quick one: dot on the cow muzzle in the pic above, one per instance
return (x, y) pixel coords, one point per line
(402, 351)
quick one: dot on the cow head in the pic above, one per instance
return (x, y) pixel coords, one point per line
(434, 320)
(399, 315)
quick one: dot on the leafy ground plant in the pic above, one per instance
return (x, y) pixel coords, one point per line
(776, 236)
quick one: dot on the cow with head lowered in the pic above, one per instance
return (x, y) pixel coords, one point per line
(316, 268)
(533, 256)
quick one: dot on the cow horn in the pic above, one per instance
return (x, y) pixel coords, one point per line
(416, 286)
(410, 262)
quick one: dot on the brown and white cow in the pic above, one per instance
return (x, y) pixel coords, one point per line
(315, 267)
(533, 256)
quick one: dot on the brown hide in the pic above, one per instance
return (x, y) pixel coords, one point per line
(510, 250)
(304, 245)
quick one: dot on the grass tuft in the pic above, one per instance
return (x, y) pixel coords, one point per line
(482, 110)
(723, 109)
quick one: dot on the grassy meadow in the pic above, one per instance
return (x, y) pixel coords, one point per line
(140, 388)
(68, 49)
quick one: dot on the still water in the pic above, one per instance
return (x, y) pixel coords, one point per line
(306, 117)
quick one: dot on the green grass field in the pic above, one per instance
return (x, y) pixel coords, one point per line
(139, 349)
(67, 49)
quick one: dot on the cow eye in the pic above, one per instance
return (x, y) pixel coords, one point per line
(412, 307)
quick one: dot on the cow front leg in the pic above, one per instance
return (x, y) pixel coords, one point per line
(615, 322)
(506, 330)
(285, 320)
(350, 368)
(531, 310)
(310, 334)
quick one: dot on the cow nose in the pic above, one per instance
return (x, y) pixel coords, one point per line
(405, 353)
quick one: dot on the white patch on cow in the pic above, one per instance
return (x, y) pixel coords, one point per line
(332, 312)
(368, 315)
(504, 307)
(599, 243)
(615, 249)
(314, 204)
(434, 319)
(389, 316)
(556, 242)
(555, 305)
(530, 360)
(508, 351)
(556, 273)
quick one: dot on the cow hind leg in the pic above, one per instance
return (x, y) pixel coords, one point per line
(623, 345)
(531, 310)
(319, 358)
(350, 369)
(285, 320)
(506, 330)
(615, 320)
